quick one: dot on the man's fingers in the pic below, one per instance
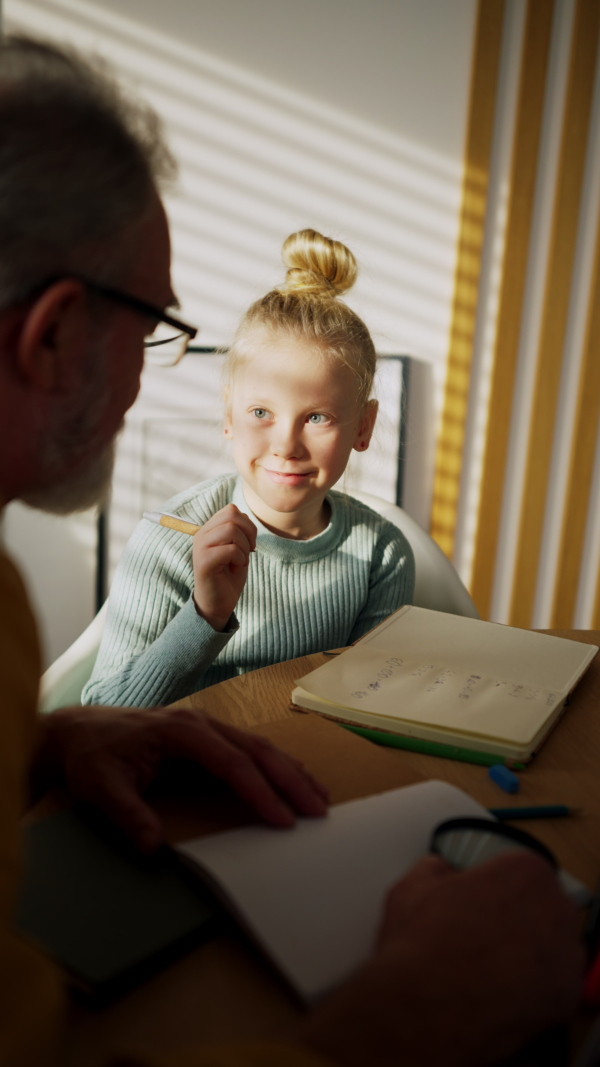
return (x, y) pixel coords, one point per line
(232, 765)
(498, 883)
(268, 780)
(426, 872)
(403, 898)
(288, 775)
(111, 792)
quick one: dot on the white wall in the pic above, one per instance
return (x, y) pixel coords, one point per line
(345, 115)
(57, 558)
(401, 65)
(342, 115)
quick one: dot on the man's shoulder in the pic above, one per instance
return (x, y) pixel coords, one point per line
(14, 599)
(12, 586)
(19, 647)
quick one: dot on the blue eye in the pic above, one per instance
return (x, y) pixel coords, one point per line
(260, 413)
(316, 419)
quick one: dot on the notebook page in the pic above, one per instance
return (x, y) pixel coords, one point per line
(455, 673)
(313, 896)
(531, 658)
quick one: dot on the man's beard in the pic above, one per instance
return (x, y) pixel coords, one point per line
(77, 492)
(63, 486)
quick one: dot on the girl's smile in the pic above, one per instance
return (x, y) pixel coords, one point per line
(286, 477)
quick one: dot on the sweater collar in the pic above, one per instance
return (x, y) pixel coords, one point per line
(285, 548)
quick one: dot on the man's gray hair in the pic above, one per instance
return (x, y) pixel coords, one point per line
(79, 165)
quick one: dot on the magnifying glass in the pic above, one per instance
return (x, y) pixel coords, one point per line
(469, 841)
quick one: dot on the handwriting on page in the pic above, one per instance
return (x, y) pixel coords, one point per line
(527, 692)
(440, 678)
(391, 666)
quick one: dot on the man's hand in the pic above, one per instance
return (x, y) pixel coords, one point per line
(469, 968)
(221, 555)
(109, 756)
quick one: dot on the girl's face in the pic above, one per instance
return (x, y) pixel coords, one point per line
(294, 418)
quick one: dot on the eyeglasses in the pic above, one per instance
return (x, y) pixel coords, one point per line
(164, 348)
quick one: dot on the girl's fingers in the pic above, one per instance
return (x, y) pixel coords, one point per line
(229, 519)
(221, 557)
(220, 536)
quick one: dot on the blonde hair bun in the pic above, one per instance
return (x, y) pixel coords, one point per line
(317, 264)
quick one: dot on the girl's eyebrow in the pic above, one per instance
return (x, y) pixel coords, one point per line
(322, 405)
(308, 409)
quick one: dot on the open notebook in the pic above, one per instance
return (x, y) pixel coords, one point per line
(313, 897)
(450, 679)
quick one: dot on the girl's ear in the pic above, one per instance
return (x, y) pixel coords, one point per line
(366, 426)
(227, 424)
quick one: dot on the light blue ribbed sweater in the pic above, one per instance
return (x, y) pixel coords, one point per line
(300, 597)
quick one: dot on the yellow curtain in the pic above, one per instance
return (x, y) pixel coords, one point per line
(546, 364)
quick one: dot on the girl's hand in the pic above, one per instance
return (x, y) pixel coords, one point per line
(220, 556)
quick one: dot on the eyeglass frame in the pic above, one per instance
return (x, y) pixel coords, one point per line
(136, 304)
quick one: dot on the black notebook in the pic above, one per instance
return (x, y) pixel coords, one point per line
(109, 916)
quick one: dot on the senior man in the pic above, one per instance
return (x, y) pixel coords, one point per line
(84, 280)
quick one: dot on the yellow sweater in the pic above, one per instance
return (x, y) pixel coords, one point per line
(31, 997)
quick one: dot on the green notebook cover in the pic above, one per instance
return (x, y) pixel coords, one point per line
(107, 915)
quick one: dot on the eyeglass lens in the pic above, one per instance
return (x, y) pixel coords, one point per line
(164, 346)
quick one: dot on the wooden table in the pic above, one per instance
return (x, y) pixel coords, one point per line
(566, 770)
(224, 989)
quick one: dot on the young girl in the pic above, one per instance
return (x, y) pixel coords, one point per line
(305, 568)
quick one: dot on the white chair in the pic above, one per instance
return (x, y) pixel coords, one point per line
(63, 682)
(437, 584)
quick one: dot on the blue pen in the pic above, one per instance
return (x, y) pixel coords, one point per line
(543, 811)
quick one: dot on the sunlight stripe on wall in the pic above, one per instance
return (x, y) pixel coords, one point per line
(581, 470)
(484, 79)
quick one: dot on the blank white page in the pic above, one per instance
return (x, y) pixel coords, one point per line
(313, 896)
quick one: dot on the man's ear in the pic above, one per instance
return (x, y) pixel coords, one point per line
(366, 426)
(227, 424)
(54, 334)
